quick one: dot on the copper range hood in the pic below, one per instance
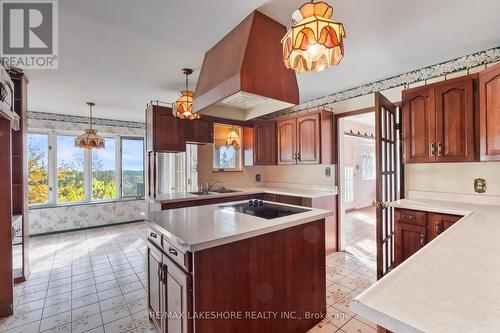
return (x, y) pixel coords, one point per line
(243, 76)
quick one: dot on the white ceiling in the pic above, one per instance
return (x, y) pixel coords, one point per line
(123, 53)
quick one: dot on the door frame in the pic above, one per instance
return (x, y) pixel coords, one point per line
(337, 157)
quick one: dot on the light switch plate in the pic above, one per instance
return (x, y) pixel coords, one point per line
(480, 185)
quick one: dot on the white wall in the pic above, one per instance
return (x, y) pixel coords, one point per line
(364, 190)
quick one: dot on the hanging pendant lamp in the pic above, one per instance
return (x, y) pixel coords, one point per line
(233, 139)
(184, 105)
(90, 139)
(314, 42)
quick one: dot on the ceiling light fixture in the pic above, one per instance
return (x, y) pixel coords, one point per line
(184, 105)
(314, 42)
(90, 139)
(233, 138)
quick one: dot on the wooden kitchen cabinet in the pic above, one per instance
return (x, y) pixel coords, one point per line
(264, 147)
(306, 139)
(439, 122)
(438, 223)
(489, 113)
(287, 141)
(199, 131)
(414, 229)
(178, 297)
(164, 132)
(155, 289)
(410, 233)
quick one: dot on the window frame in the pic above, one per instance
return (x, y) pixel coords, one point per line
(239, 164)
(88, 174)
(49, 186)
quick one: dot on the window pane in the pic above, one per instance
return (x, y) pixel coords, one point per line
(226, 149)
(70, 163)
(103, 171)
(132, 168)
(38, 169)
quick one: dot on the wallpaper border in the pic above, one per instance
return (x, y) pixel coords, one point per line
(448, 67)
(84, 120)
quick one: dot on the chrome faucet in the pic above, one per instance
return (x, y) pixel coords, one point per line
(207, 187)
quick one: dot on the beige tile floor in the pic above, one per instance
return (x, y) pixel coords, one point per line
(95, 281)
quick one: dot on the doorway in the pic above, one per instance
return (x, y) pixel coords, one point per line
(357, 181)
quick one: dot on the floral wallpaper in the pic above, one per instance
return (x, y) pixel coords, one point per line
(59, 218)
(80, 216)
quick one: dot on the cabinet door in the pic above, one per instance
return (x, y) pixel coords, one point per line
(154, 286)
(264, 143)
(419, 125)
(408, 239)
(287, 141)
(199, 131)
(168, 131)
(455, 120)
(489, 113)
(308, 142)
(438, 223)
(178, 299)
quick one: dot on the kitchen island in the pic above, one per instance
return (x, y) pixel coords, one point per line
(237, 267)
(451, 284)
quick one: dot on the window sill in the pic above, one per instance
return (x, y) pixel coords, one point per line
(83, 203)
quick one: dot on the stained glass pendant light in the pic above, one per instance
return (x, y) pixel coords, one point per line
(314, 42)
(184, 105)
(90, 139)
(233, 139)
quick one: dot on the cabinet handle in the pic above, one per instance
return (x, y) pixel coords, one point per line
(153, 235)
(440, 149)
(172, 251)
(160, 273)
(409, 217)
(437, 228)
(422, 240)
(298, 156)
(433, 149)
(294, 156)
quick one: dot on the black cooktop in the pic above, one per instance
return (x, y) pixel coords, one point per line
(264, 210)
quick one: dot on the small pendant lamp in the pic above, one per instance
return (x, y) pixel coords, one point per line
(90, 139)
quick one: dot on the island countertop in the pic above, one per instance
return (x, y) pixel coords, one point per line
(201, 227)
(451, 284)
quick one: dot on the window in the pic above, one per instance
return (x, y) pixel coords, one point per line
(226, 157)
(70, 170)
(65, 174)
(132, 167)
(104, 171)
(368, 166)
(38, 169)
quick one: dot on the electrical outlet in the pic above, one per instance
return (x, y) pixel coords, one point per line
(480, 185)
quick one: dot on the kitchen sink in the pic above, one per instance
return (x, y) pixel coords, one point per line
(202, 193)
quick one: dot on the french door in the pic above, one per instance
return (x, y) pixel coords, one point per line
(388, 179)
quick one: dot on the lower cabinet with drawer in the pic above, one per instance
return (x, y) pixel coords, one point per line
(414, 229)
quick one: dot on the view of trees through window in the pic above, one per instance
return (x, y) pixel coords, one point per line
(73, 178)
(38, 169)
(70, 170)
(103, 171)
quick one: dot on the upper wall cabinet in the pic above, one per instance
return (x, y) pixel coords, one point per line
(264, 143)
(164, 132)
(199, 131)
(438, 122)
(489, 109)
(306, 139)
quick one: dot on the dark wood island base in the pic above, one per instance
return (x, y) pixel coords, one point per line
(274, 282)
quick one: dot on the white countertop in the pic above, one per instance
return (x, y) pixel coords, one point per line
(299, 192)
(450, 285)
(201, 227)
